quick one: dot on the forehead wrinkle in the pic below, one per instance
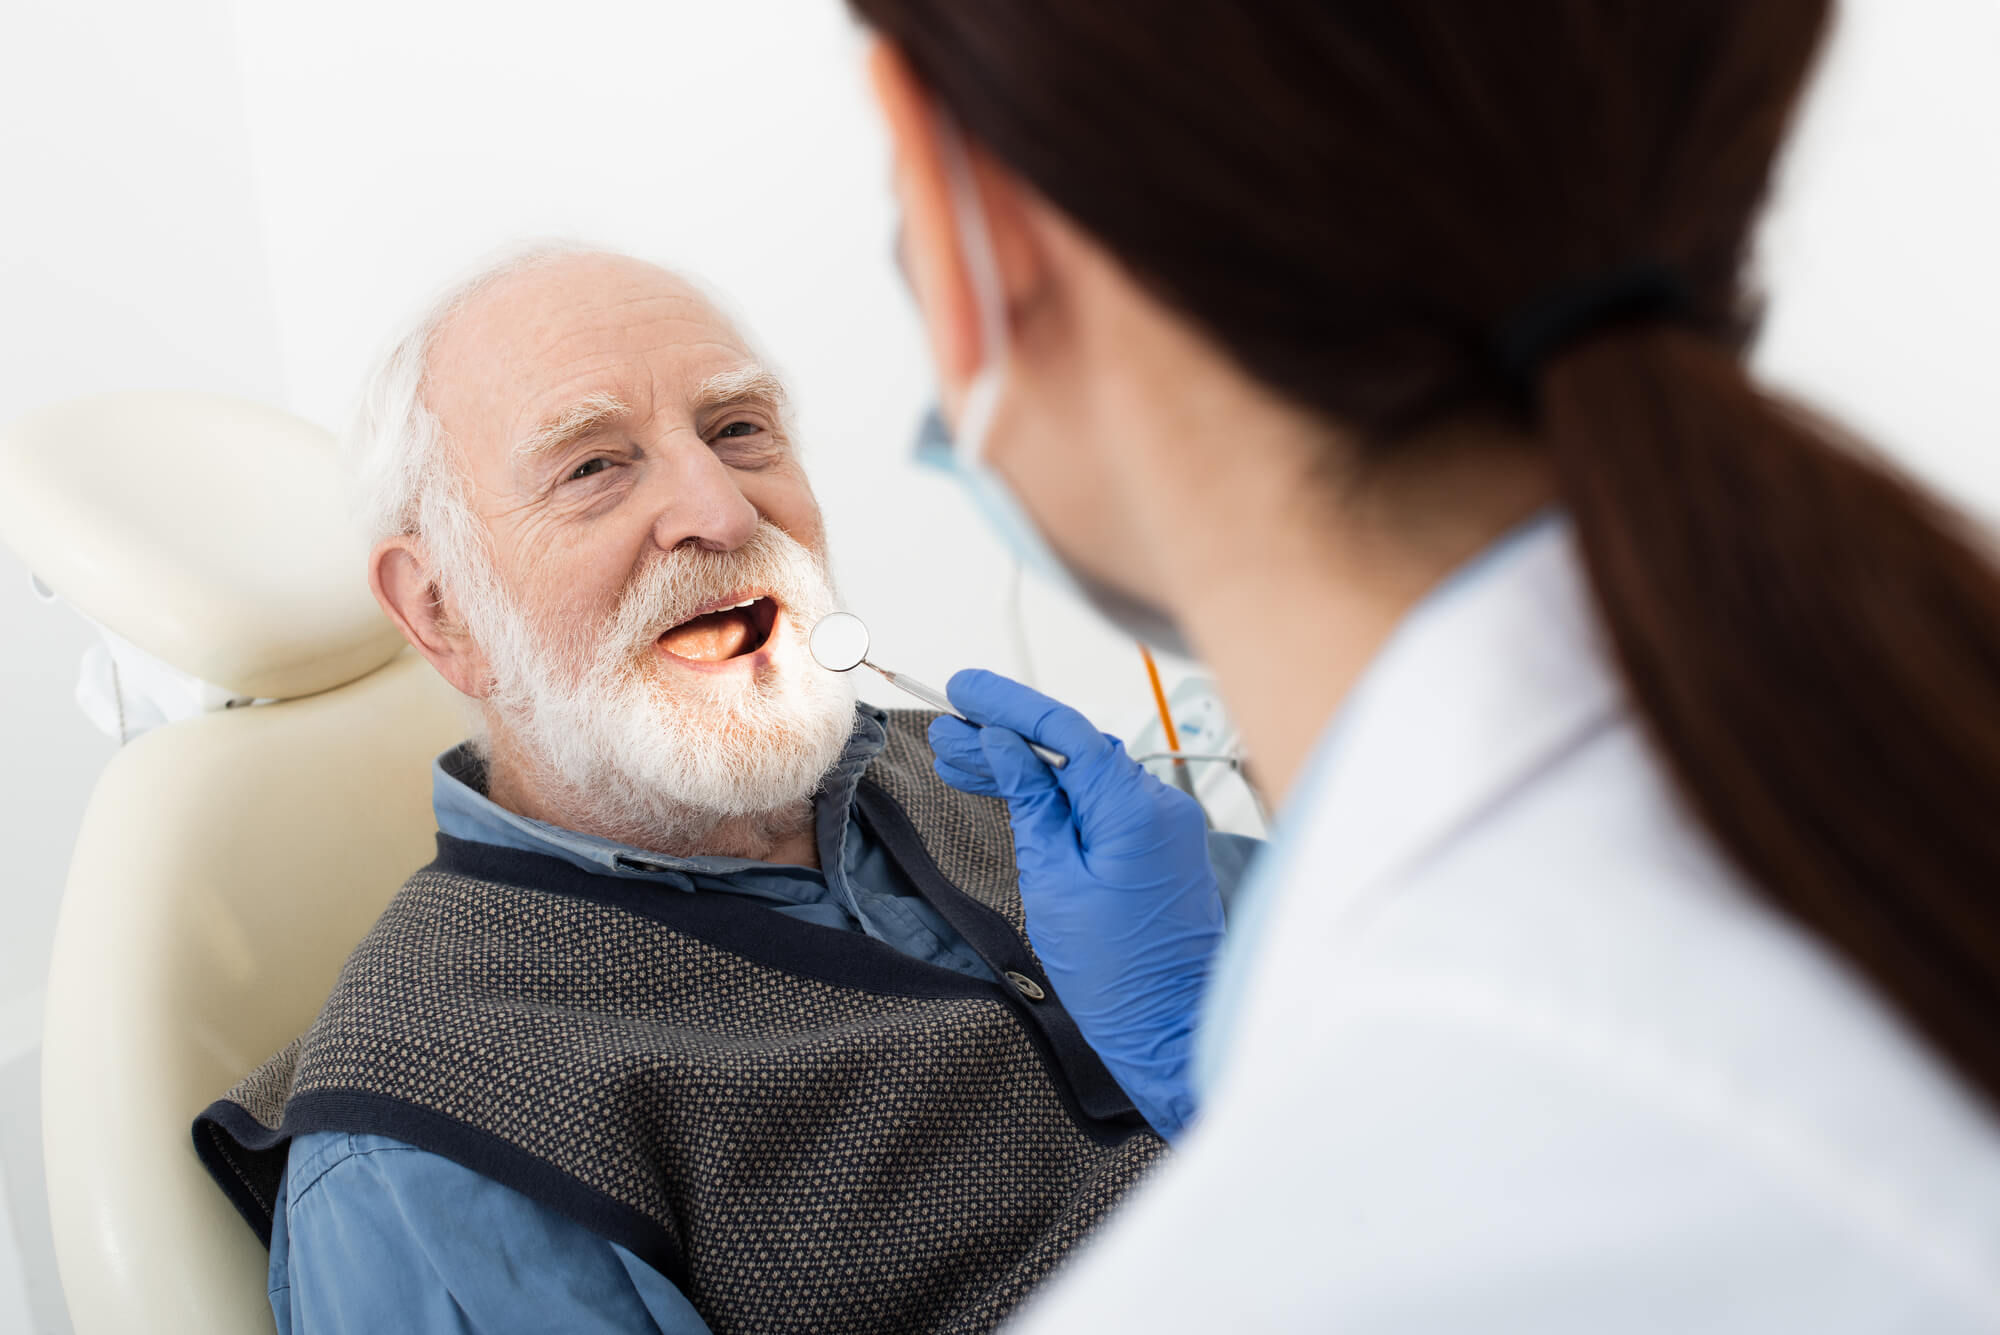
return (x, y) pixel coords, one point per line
(636, 358)
(615, 340)
(679, 321)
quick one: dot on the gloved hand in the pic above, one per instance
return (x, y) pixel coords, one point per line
(1123, 907)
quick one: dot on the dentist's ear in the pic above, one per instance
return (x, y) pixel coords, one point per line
(400, 576)
(931, 249)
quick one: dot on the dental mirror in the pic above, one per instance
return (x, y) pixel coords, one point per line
(839, 643)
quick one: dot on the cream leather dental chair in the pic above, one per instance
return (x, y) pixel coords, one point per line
(233, 853)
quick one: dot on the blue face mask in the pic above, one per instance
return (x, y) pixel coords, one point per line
(963, 454)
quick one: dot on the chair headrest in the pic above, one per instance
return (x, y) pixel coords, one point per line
(208, 531)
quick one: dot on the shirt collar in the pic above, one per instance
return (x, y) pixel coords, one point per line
(1500, 669)
(464, 811)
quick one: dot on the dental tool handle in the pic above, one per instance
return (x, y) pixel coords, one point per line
(937, 699)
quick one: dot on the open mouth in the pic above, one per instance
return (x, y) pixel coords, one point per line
(732, 630)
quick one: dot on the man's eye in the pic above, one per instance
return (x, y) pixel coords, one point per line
(738, 429)
(589, 466)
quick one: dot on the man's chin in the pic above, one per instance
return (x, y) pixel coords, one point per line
(653, 756)
(732, 745)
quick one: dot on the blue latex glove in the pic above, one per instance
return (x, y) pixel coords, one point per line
(1123, 907)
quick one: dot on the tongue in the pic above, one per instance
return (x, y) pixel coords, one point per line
(711, 638)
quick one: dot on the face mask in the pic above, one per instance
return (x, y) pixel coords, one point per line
(963, 453)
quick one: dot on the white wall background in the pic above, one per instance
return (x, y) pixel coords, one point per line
(243, 196)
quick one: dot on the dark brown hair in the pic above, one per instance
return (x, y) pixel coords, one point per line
(1353, 197)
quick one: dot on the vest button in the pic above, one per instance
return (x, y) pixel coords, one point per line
(1027, 986)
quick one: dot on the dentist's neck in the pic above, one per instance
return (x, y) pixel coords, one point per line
(1289, 576)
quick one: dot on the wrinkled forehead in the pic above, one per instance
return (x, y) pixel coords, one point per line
(564, 331)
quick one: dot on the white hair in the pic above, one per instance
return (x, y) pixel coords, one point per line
(408, 479)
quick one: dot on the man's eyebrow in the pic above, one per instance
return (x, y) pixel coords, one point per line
(582, 418)
(745, 384)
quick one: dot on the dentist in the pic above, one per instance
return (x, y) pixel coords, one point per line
(1629, 955)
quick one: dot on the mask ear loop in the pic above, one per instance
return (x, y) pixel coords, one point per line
(982, 395)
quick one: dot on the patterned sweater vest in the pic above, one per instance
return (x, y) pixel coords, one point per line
(804, 1129)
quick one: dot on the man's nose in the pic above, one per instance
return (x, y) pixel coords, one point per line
(704, 506)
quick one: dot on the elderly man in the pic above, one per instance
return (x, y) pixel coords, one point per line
(715, 1010)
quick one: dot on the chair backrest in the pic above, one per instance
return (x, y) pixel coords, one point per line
(230, 859)
(226, 867)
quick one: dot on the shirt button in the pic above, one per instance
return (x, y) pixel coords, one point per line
(1027, 986)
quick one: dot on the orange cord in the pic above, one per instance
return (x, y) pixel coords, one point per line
(1160, 700)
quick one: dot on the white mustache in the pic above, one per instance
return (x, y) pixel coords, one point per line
(676, 585)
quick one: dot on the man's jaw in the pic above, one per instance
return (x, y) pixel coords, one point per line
(521, 780)
(727, 634)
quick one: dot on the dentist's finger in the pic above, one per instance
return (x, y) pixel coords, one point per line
(990, 699)
(980, 784)
(1037, 807)
(956, 742)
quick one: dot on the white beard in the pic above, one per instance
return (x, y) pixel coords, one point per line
(622, 746)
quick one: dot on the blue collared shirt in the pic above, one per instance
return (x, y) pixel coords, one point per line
(372, 1234)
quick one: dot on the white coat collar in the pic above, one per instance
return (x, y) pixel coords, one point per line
(1497, 673)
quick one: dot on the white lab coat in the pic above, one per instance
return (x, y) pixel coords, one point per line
(1518, 1051)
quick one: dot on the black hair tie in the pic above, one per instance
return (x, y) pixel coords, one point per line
(1559, 316)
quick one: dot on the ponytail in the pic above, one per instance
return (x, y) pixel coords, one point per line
(1349, 196)
(1814, 644)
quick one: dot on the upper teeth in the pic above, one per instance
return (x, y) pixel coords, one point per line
(731, 608)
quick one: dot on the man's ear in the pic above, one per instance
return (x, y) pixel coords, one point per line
(932, 253)
(400, 575)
